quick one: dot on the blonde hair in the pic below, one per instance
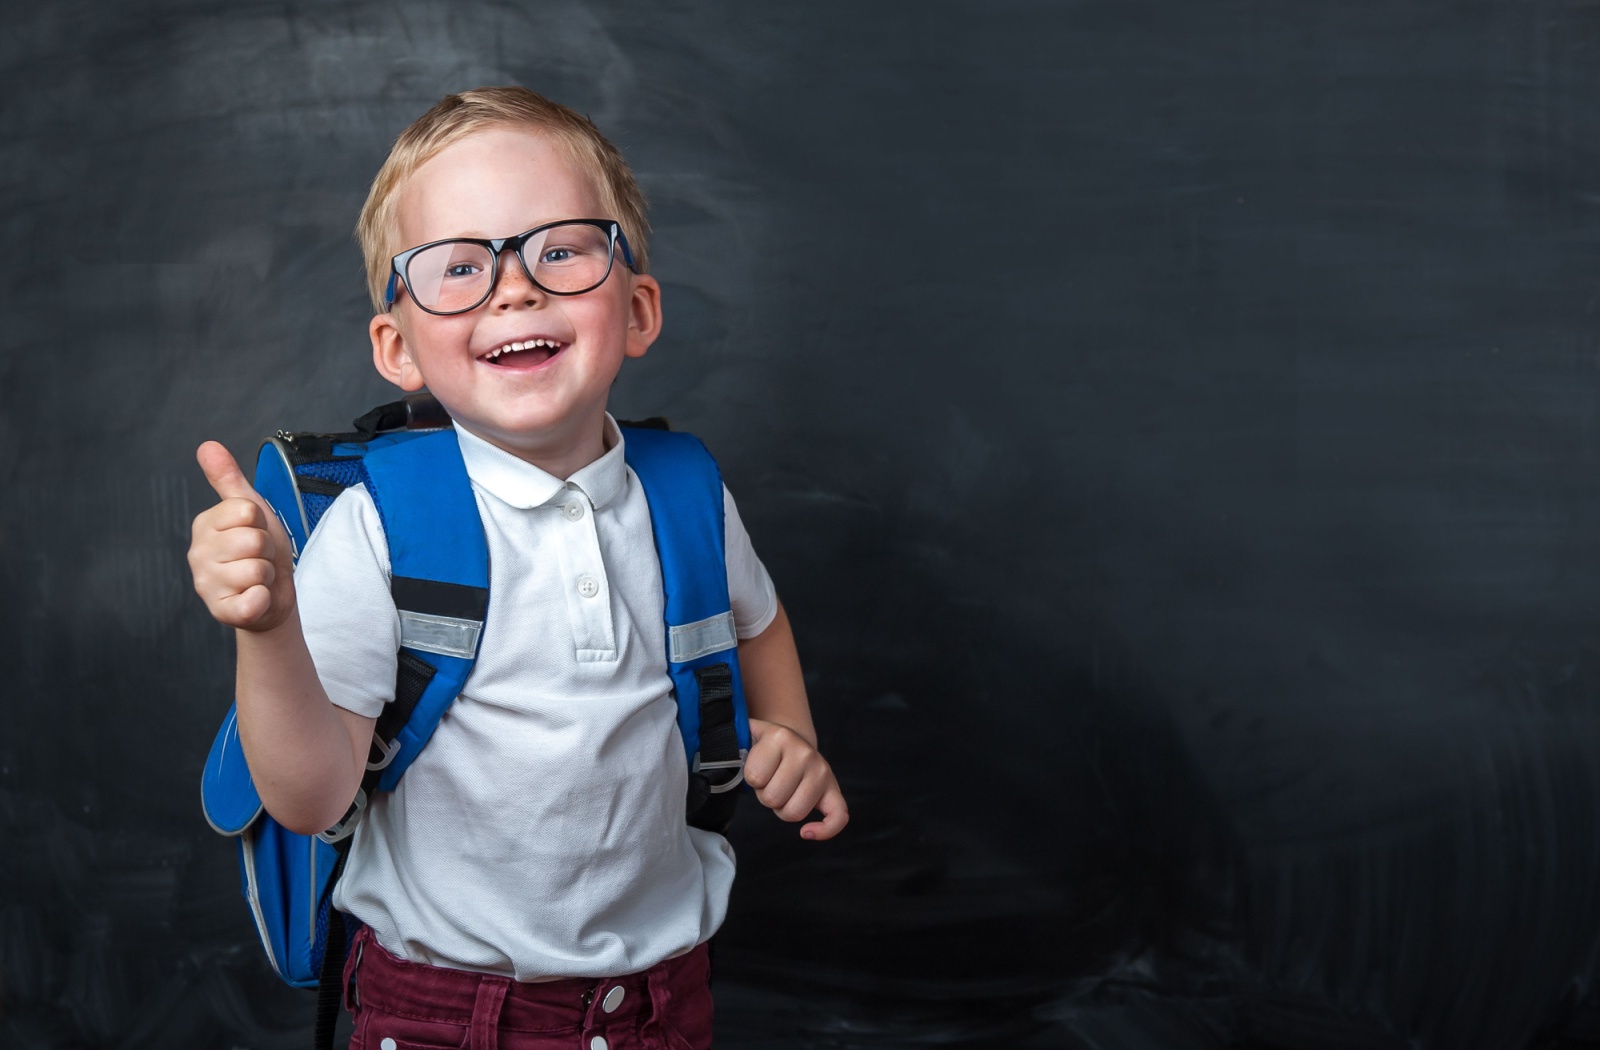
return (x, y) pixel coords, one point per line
(455, 117)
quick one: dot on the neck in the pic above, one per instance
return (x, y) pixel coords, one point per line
(560, 456)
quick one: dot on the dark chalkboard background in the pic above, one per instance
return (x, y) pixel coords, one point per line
(1174, 426)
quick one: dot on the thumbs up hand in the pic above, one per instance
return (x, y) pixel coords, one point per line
(239, 553)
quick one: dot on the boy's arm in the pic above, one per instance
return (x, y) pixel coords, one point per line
(306, 755)
(788, 773)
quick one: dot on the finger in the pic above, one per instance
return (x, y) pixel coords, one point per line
(223, 473)
(835, 815)
(225, 515)
(243, 543)
(764, 757)
(802, 800)
(219, 544)
(220, 585)
(779, 790)
(759, 767)
(223, 579)
(242, 610)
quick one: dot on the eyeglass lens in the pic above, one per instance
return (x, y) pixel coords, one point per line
(455, 275)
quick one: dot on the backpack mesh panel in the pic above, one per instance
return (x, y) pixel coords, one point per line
(343, 472)
(315, 505)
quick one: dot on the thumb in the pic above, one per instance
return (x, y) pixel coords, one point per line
(223, 473)
(835, 815)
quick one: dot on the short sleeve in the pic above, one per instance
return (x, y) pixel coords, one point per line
(346, 611)
(750, 590)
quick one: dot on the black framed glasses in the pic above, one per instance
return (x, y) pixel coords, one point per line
(456, 275)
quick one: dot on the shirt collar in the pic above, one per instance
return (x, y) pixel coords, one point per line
(518, 483)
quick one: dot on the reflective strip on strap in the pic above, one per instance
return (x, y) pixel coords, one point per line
(445, 635)
(692, 640)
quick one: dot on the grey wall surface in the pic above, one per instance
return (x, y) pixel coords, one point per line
(1172, 425)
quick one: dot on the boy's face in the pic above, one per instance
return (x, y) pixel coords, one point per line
(544, 406)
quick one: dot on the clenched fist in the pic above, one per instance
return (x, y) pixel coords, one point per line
(792, 779)
(239, 553)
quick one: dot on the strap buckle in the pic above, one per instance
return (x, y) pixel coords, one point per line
(386, 749)
(727, 763)
(347, 823)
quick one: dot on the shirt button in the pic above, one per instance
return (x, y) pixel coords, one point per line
(613, 999)
(573, 510)
(588, 586)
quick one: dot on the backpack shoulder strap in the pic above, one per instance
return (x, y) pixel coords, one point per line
(439, 577)
(683, 488)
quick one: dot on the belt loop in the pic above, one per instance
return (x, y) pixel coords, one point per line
(352, 969)
(660, 1001)
(485, 1031)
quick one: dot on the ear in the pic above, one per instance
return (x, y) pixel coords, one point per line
(389, 354)
(644, 314)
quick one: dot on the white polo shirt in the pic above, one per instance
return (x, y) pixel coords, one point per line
(541, 832)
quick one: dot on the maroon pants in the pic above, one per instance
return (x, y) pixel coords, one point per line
(400, 1005)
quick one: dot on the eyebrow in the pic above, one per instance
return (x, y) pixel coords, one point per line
(480, 236)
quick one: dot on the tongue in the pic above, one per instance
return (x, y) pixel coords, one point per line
(524, 358)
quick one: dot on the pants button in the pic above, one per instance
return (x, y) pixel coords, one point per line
(613, 999)
(598, 1043)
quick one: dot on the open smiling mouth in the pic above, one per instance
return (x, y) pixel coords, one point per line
(530, 354)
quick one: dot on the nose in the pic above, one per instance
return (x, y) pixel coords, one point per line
(513, 287)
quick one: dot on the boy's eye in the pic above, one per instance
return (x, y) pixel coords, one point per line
(462, 269)
(556, 255)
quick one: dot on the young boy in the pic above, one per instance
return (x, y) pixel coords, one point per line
(531, 882)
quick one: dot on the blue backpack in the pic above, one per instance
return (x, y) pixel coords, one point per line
(408, 458)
